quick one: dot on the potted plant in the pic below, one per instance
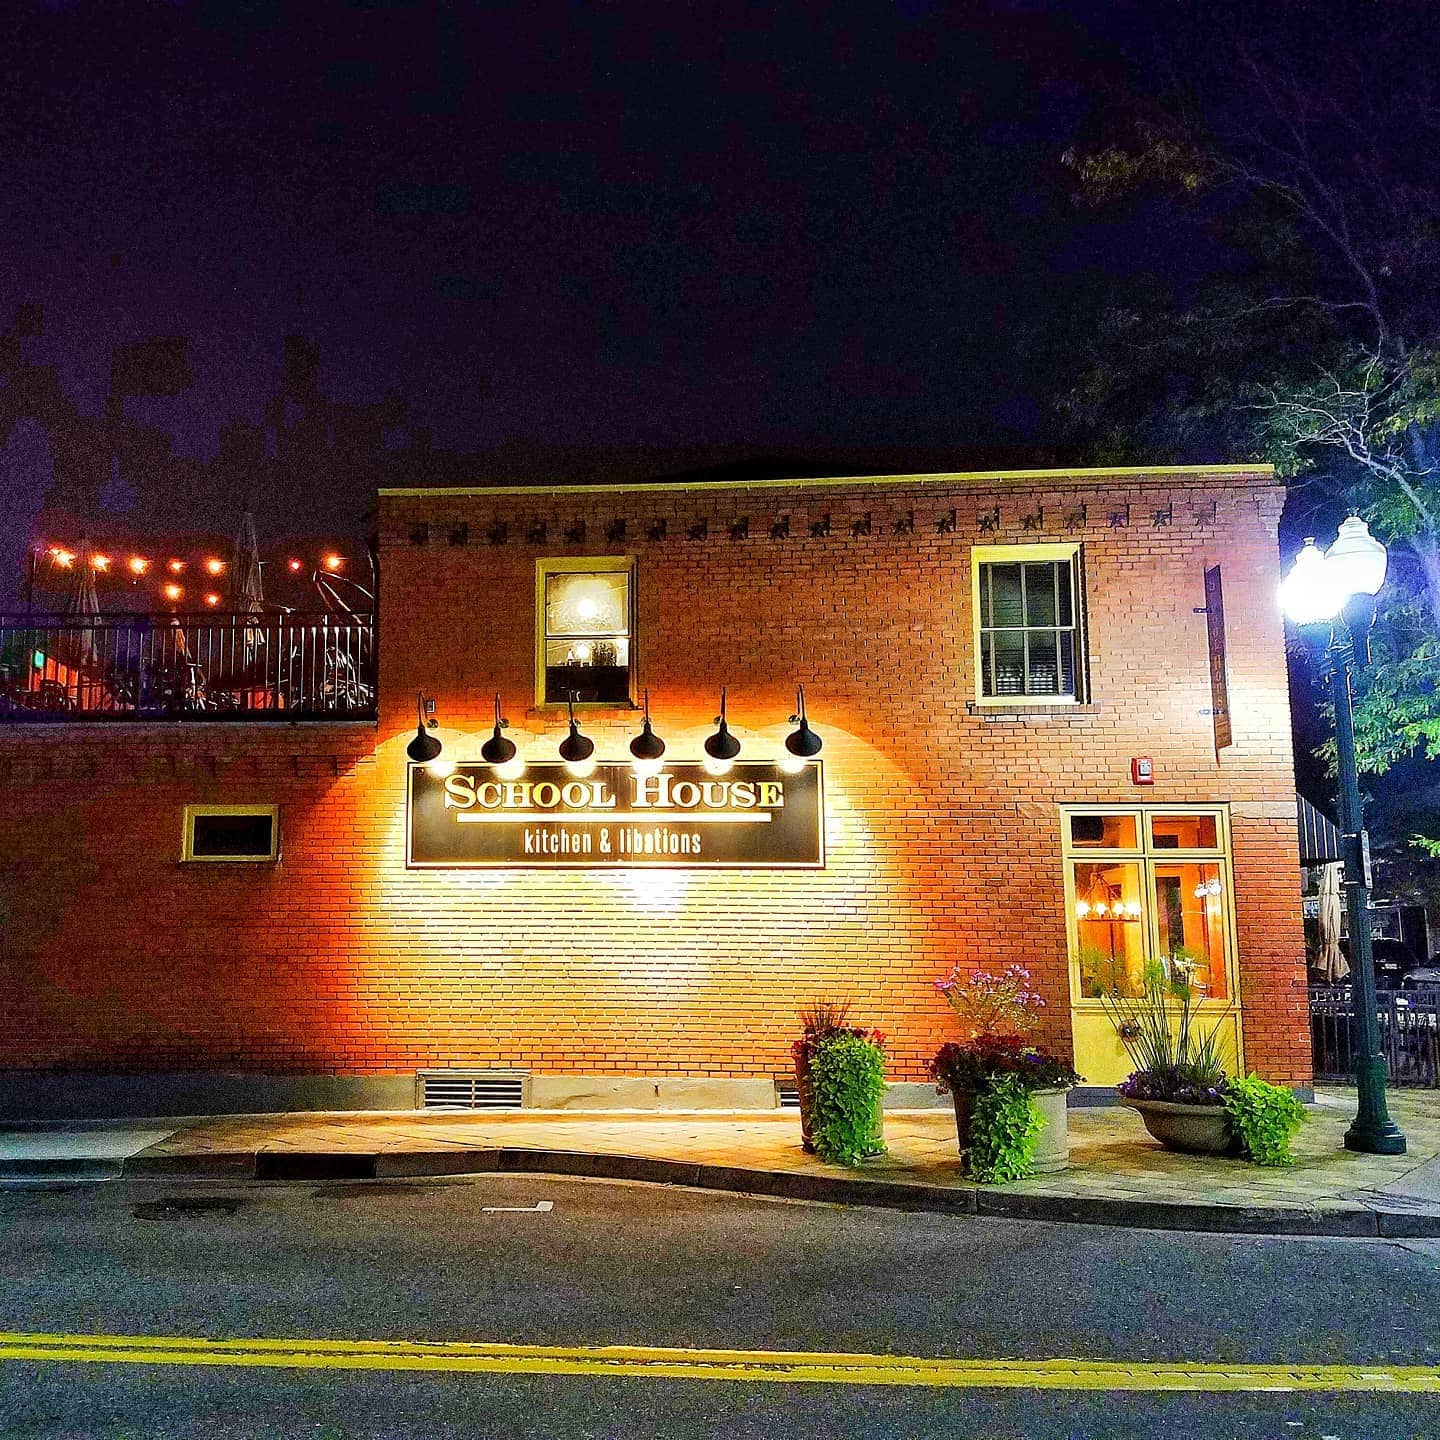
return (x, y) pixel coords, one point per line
(1009, 1093)
(1179, 1085)
(840, 1081)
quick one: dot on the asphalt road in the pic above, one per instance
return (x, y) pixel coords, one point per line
(632, 1265)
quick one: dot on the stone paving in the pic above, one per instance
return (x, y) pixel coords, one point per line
(1112, 1157)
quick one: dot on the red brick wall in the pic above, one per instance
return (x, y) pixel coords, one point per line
(943, 835)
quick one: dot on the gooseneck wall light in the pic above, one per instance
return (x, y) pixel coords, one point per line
(424, 747)
(802, 743)
(577, 750)
(722, 747)
(1338, 587)
(498, 750)
(647, 747)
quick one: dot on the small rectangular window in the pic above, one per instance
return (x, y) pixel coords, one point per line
(231, 832)
(1027, 622)
(585, 627)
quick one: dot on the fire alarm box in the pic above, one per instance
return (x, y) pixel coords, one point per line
(1142, 770)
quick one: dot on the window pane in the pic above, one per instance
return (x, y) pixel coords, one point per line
(1040, 594)
(596, 603)
(1190, 910)
(1065, 584)
(1184, 832)
(1104, 832)
(1109, 924)
(587, 670)
(1003, 593)
(1044, 665)
(1067, 663)
(1007, 655)
(235, 837)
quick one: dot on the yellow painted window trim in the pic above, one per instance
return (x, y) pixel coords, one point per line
(1146, 856)
(1016, 554)
(187, 835)
(570, 565)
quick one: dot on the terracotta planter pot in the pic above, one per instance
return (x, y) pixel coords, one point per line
(1190, 1129)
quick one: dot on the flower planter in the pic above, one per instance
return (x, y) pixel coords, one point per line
(806, 1097)
(1190, 1129)
(1052, 1147)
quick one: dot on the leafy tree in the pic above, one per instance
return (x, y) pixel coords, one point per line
(1303, 143)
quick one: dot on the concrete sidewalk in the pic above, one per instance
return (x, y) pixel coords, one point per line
(1118, 1175)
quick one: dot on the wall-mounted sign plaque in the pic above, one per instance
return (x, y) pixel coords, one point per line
(755, 815)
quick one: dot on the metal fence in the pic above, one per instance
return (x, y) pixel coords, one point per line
(167, 667)
(1409, 1034)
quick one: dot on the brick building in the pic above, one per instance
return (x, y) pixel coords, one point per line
(1044, 741)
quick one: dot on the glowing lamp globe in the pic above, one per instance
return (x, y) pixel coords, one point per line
(1308, 594)
(1356, 561)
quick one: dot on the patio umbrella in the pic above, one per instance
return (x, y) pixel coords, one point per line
(1331, 963)
(247, 594)
(83, 603)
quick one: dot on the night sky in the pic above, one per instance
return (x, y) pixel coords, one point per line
(533, 241)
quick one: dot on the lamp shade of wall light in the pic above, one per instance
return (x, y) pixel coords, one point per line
(577, 750)
(497, 750)
(722, 747)
(802, 742)
(424, 747)
(647, 747)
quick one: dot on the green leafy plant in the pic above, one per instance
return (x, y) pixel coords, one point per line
(847, 1078)
(1265, 1117)
(1003, 1130)
(1174, 1058)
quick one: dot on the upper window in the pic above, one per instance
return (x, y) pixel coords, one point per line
(231, 832)
(1028, 633)
(584, 631)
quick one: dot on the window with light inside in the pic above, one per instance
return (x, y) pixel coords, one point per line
(1149, 887)
(1028, 630)
(586, 620)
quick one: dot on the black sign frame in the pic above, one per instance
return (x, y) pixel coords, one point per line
(433, 831)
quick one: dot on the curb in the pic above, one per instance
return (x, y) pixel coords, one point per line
(326, 1165)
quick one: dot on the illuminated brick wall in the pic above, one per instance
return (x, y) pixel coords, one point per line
(943, 834)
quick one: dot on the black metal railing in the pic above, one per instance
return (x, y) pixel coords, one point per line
(202, 667)
(1409, 1033)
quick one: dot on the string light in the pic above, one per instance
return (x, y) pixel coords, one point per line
(334, 562)
(62, 557)
(100, 562)
(296, 566)
(212, 599)
(138, 564)
(215, 567)
(175, 566)
(173, 592)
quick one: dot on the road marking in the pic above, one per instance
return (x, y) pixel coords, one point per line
(540, 1207)
(735, 1366)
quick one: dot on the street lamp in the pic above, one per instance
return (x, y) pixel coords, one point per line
(1339, 585)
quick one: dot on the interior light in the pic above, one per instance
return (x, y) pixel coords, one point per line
(1082, 909)
(424, 748)
(722, 747)
(587, 609)
(647, 747)
(802, 741)
(582, 653)
(497, 750)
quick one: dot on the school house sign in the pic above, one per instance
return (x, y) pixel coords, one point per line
(756, 815)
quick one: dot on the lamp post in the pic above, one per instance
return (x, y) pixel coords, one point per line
(1338, 586)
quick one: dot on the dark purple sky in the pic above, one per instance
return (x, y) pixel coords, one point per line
(567, 237)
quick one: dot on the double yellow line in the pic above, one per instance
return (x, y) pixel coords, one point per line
(735, 1366)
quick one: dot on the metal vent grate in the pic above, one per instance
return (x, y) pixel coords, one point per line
(471, 1089)
(788, 1095)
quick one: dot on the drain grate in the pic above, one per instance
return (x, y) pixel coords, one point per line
(788, 1095)
(472, 1089)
